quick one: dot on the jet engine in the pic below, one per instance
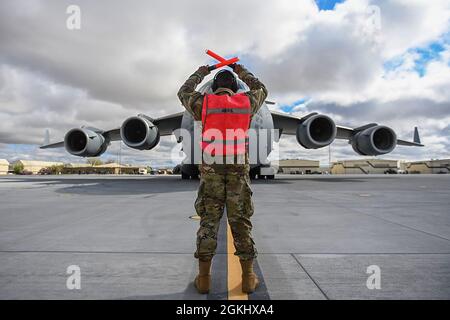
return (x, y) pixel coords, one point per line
(84, 142)
(374, 141)
(316, 132)
(139, 133)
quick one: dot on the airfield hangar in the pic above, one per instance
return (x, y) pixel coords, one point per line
(297, 166)
(33, 166)
(364, 166)
(4, 166)
(36, 167)
(108, 168)
(432, 166)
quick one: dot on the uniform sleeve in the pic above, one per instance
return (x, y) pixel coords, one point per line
(258, 91)
(191, 99)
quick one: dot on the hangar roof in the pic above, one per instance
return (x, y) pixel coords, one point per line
(38, 163)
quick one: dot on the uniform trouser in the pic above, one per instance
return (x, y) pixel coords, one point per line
(217, 190)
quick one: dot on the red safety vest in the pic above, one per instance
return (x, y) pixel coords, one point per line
(225, 121)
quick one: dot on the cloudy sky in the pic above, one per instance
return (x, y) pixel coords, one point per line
(359, 61)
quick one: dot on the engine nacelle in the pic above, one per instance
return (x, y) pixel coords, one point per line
(139, 133)
(316, 132)
(84, 142)
(374, 141)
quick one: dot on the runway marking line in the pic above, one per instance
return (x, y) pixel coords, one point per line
(234, 281)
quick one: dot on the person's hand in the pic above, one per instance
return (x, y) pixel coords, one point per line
(237, 68)
(203, 70)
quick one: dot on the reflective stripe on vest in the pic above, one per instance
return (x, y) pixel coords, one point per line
(231, 141)
(223, 115)
(230, 110)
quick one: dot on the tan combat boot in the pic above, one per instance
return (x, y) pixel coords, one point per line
(203, 279)
(249, 278)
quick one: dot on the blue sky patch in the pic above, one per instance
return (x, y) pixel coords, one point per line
(431, 52)
(327, 4)
(291, 107)
(393, 64)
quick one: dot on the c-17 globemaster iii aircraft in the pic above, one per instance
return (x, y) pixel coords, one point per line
(312, 131)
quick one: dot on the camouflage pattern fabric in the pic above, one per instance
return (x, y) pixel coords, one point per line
(219, 189)
(223, 185)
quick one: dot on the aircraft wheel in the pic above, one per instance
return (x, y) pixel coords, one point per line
(185, 176)
(253, 173)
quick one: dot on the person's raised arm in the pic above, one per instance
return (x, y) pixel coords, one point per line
(191, 99)
(258, 92)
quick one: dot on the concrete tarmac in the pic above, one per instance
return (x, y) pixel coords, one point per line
(132, 237)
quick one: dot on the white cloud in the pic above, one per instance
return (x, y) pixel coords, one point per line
(132, 57)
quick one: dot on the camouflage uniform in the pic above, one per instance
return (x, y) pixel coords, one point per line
(223, 184)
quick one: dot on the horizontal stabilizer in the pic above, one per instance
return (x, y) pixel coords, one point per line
(52, 145)
(415, 143)
(47, 144)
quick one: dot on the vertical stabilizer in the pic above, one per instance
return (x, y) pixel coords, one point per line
(46, 137)
(416, 138)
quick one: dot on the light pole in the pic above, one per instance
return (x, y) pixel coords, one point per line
(329, 158)
(120, 156)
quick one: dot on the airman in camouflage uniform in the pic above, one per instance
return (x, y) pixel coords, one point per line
(223, 184)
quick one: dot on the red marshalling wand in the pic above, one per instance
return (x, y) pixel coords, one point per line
(222, 61)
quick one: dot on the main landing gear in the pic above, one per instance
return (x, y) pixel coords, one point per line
(262, 173)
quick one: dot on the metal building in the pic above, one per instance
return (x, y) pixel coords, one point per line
(431, 166)
(4, 166)
(34, 166)
(297, 166)
(364, 166)
(108, 168)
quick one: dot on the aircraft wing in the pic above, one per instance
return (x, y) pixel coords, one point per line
(287, 124)
(166, 125)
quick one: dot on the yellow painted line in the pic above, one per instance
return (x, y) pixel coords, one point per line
(234, 271)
